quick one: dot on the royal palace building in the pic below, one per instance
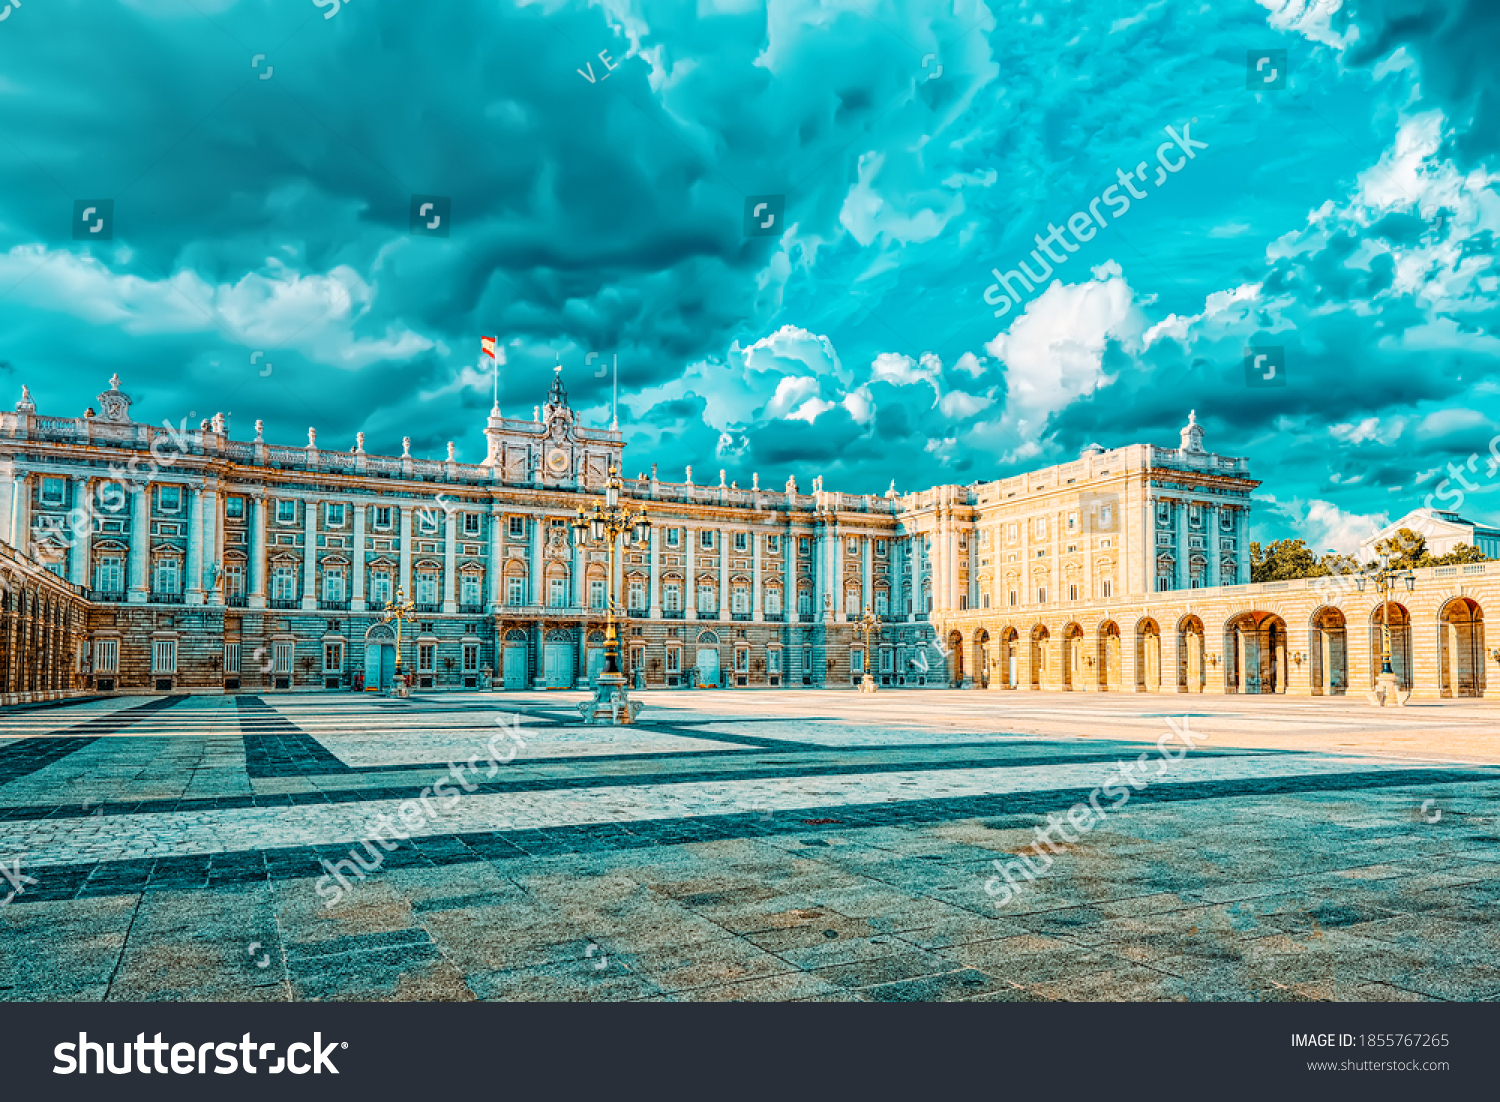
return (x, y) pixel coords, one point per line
(176, 559)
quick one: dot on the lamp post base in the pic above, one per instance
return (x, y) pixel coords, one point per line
(611, 706)
(867, 684)
(1387, 693)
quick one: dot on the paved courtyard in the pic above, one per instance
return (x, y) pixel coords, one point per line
(747, 845)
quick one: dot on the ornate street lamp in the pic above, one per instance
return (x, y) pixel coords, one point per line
(613, 523)
(398, 612)
(871, 623)
(1386, 691)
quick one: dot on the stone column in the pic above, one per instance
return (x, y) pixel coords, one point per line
(867, 579)
(534, 587)
(937, 565)
(357, 560)
(450, 561)
(653, 581)
(577, 567)
(193, 583)
(819, 569)
(1184, 568)
(78, 555)
(689, 579)
(213, 554)
(1211, 577)
(1028, 589)
(256, 594)
(140, 545)
(495, 573)
(757, 611)
(20, 513)
(1242, 544)
(722, 541)
(789, 588)
(403, 571)
(836, 571)
(310, 554)
(221, 504)
(952, 553)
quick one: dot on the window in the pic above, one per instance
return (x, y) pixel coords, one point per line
(165, 576)
(773, 545)
(281, 658)
(283, 582)
(882, 603)
(515, 591)
(1012, 598)
(1072, 521)
(333, 514)
(986, 600)
(426, 657)
(231, 658)
(52, 491)
(164, 656)
(234, 579)
(773, 602)
(706, 538)
(1163, 513)
(170, 499)
(333, 657)
(674, 537)
(857, 662)
(637, 595)
(1041, 554)
(708, 599)
(1010, 533)
(286, 511)
(380, 588)
(427, 588)
(111, 576)
(1072, 591)
(963, 539)
(468, 589)
(333, 584)
(773, 662)
(427, 522)
(1039, 527)
(807, 661)
(880, 549)
(471, 524)
(234, 507)
(1041, 595)
(1106, 518)
(1072, 547)
(382, 516)
(984, 538)
(557, 592)
(1163, 583)
(963, 601)
(887, 660)
(742, 541)
(674, 659)
(851, 602)
(1108, 589)
(742, 660)
(471, 658)
(671, 597)
(739, 599)
(107, 656)
(804, 601)
(517, 527)
(597, 594)
(801, 545)
(853, 546)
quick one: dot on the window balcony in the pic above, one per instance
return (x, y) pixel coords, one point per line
(333, 606)
(743, 616)
(429, 606)
(235, 600)
(775, 617)
(672, 614)
(113, 595)
(283, 602)
(165, 598)
(805, 617)
(712, 614)
(471, 610)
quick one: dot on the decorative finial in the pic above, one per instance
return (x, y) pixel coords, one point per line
(406, 447)
(260, 429)
(690, 476)
(1192, 416)
(218, 423)
(721, 476)
(312, 438)
(359, 441)
(755, 480)
(114, 381)
(450, 451)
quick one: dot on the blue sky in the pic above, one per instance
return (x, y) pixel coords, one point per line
(263, 204)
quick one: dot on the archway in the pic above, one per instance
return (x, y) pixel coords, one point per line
(1255, 653)
(1192, 667)
(982, 658)
(594, 650)
(1072, 657)
(1109, 657)
(1041, 651)
(514, 660)
(1461, 648)
(557, 659)
(1327, 652)
(955, 658)
(1147, 656)
(1400, 643)
(1010, 653)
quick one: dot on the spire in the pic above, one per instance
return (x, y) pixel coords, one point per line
(558, 395)
(1192, 434)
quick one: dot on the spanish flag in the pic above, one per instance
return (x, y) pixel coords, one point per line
(488, 345)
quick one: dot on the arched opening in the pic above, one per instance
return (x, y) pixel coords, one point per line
(1327, 653)
(706, 660)
(1192, 664)
(1147, 657)
(515, 667)
(1255, 653)
(1041, 651)
(1010, 654)
(380, 657)
(1109, 657)
(1461, 648)
(955, 659)
(982, 658)
(558, 649)
(594, 662)
(1400, 641)
(1072, 657)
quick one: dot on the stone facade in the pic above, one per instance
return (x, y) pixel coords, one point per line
(43, 623)
(201, 563)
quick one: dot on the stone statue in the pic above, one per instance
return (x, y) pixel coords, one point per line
(721, 478)
(755, 480)
(218, 423)
(260, 430)
(312, 438)
(359, 441)
(450, 451)
(791, 486)
(406, 447)
(689, 476)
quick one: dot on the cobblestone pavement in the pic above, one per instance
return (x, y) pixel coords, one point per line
(757, 846)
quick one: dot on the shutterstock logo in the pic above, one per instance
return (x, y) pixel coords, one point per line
(187, 1059)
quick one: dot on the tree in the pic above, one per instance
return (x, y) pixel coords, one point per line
(1460, 554)
(1408, 551)
(1284, 559)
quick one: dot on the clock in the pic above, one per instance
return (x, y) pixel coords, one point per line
(557, 461)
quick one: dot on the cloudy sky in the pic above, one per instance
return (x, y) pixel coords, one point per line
(262, 159)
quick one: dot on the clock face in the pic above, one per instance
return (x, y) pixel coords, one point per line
(557, 461)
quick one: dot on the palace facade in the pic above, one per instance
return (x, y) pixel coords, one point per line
(179, 559)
